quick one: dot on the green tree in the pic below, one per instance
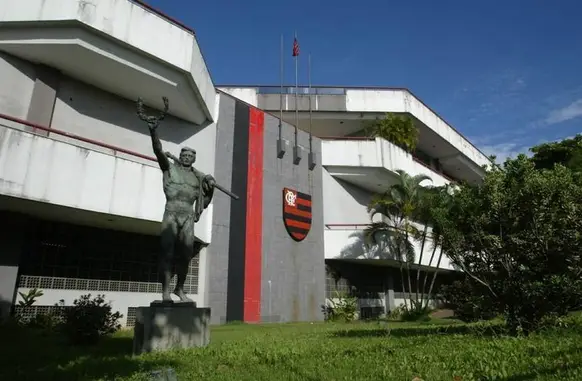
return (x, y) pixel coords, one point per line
(567, 152)
(518, 237)
(402, 207)
(397, 129)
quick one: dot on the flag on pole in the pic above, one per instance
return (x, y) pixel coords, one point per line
(295, 47)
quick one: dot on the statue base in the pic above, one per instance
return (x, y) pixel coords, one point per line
(165, 326)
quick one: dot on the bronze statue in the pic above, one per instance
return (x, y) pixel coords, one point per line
(188, 192)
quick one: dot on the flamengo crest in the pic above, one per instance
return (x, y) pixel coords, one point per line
(296, 213)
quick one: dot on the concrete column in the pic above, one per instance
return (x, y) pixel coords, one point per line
(44, 95)
(389, 292)
(11, 246)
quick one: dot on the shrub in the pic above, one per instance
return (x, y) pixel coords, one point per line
(341, 307)
(418, 312)
(29, 298)
(517, 237)
(396, 313)
(89, 319)
(468, 302)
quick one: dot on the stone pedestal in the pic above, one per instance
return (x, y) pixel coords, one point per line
(163, 326)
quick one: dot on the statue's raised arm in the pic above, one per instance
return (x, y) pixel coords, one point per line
(153, 122)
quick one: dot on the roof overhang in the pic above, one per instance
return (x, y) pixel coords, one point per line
(339, 111)
(120, 47)
(459, 166)
(373, 179)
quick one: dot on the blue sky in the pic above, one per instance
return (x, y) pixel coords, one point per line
(506, 73)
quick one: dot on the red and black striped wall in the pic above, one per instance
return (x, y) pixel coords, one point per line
(245, 233)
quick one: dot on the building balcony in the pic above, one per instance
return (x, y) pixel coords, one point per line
(372, 163)
(341, 111)
(124, 47)
(346, 242)
(70, 178)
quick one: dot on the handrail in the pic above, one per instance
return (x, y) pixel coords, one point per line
(346, 138)
(73, 136)
(329, 226)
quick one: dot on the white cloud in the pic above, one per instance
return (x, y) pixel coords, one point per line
(574, 110)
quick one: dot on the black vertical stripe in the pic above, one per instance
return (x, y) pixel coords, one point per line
(238, 209)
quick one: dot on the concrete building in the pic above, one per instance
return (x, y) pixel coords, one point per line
(356, 167)
(82, 195)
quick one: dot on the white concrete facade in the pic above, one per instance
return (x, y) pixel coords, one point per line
(72, 148)
(120, 46)
(357, 167)
(75, 69)
(362, 101)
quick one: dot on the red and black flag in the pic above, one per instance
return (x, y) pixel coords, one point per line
(296, 213)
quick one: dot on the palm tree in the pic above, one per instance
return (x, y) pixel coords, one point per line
(362, 248)
(399, 206)
(440, 201)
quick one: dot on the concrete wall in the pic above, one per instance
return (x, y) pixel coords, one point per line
(12, 237)
(127, 24)
(377, 153)
(98, 179)
(62, 171)
(345, 214)
(262, 275)
(293, 282)
(218, 258)
(18, 83)
(368, 100)
(248, 95)
(95, 114)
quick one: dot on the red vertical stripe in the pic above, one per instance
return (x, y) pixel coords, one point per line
(254, 218)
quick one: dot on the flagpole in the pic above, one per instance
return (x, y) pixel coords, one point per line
(282, 73)
(296, 93)
(310, 107)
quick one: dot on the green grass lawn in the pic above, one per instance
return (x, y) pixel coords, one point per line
(437, 350)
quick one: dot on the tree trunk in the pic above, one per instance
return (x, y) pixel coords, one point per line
(420, 262)
(403, 286)
(409, 284)
(434, 278)
(429, 264)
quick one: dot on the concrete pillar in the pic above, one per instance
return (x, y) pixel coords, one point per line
(389, 292)
(12, 236)
(44, 95)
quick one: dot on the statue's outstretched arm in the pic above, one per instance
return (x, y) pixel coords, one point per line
(153, 123)
(159, 151)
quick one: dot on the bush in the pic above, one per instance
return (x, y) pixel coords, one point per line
(517, 237)
(341, 307)
(469, 303)
(89, 319)
(416, 313)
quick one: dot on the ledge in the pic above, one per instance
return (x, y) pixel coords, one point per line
(119, 46)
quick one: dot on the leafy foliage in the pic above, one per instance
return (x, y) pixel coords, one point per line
(30, 297)
(470, 301)
(397, 129)
(567, 152)
(407, 210)
(342, 307)
(517, 236)
(89, 319)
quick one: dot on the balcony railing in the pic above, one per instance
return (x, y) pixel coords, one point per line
(416, 158)
(301, 90)
(37, 127)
